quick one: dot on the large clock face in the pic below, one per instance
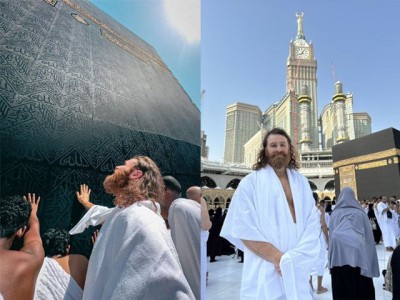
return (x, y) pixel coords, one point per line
(302, 52)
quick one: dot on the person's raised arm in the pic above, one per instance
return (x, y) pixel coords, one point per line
(32, 241)
(266, 251)
(84, 195)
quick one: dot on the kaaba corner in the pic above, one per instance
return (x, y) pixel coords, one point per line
(369, 165)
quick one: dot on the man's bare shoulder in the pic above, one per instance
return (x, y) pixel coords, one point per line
(20, 259)
(18, 272)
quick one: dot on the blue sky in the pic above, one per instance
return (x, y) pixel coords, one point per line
(245, 44)
(172, 27)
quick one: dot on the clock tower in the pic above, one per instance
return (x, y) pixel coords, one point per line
(301, 71)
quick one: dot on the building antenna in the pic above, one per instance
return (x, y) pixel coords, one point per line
(333, 73)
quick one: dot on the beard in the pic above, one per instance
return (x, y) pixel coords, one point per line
(126, 191)
(113, 184)
(279, 161)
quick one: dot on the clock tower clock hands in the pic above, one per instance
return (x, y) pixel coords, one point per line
(302, 52)
(299, 51)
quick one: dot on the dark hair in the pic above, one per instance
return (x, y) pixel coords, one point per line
(315, 196)
(172, 184)
(328, 209)
(56, 241)
(14, 215)
(262, 159)
(218, 212)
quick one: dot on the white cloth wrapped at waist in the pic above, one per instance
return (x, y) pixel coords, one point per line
(54, 283)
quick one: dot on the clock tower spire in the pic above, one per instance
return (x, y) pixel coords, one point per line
(300, 34)
(301, 70)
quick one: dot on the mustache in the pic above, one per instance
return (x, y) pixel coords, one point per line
(279, 157)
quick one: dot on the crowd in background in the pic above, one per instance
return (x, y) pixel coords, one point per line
(384, 219)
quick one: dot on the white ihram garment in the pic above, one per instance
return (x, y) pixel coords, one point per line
(133, 257)
(185, 223)
(203, 276)
(320, 264)
(54, 283)
(386, 225)
(260, 212)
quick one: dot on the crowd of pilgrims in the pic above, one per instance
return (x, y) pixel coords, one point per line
(148, 248)
(383, 214)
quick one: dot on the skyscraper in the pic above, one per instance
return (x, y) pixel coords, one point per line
(242, 122)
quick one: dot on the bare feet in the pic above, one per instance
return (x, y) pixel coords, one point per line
(321, 290)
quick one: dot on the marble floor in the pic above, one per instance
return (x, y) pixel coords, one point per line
(224, 277)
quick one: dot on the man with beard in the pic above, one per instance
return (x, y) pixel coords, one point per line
(273, 220)
(134, 256)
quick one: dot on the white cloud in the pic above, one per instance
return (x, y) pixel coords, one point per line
(184, 16)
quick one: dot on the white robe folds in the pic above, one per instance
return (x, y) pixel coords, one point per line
(320, 264)
(54, 283)
(96, 215)
(387, 226)
(260, 212)
(134, 258)
(203, 265)
(396, 224)
(185, 223)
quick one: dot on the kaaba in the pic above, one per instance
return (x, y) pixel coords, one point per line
(80, 94)
(369, 164)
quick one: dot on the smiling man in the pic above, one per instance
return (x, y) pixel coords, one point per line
(273, 220)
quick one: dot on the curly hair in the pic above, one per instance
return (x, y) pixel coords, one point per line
(14, 215)
(56, 241)
(262, 159)
(149, 186)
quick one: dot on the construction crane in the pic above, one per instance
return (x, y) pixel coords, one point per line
(203, 92)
